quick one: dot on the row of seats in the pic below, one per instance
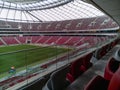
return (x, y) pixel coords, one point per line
(102, 22)
(100, 83)
(82, 64)
(79, 66)
(111, 79)
(63, 77)
(99, 53)
(98, 68)
(54, 40)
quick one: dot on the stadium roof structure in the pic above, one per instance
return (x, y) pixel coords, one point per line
(46, 10)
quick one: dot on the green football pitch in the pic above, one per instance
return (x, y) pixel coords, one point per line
(22, 55)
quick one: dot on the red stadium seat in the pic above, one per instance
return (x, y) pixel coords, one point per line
(97, 83)
(69, 77)
(79, 66)
(111, 68)
(100, 83)
(115, 81)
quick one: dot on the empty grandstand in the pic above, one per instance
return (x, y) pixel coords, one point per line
(59, 45)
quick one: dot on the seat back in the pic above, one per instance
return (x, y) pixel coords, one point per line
(111, 68)
(115, 81)
(97, 83)
(57, 79)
